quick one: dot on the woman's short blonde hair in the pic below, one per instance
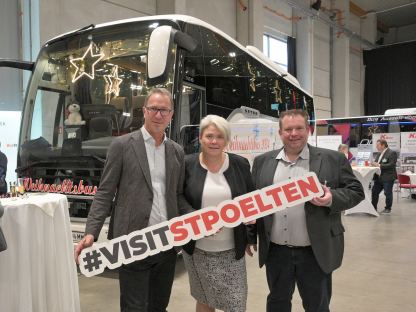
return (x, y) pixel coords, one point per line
(222, 125)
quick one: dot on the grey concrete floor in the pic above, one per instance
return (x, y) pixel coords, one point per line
(378, 271)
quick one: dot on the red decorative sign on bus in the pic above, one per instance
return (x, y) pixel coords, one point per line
(66, 187)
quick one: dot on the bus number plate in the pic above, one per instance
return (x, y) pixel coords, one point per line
(77, 236)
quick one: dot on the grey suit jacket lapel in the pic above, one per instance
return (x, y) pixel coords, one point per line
(171, 171)
(169, 159)
(315, 160)
(269, 168)
(140, 150)
(268, 171)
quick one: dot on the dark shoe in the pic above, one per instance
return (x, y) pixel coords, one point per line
(386, 211)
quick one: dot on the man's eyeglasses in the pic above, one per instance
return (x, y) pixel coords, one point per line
(154, 110)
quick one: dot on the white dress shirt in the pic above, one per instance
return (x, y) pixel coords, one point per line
(289, 225)
(157, 166)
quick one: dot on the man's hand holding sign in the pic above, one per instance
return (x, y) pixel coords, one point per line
(180, 230)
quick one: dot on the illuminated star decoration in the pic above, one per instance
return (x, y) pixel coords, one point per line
(294, 98)
(305, 106)
(89, 59)
(372, 129)
(113, 81)
(252, 78)
(278, 96)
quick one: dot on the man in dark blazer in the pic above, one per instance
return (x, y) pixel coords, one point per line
(143, 174)
(386, 160)
(303, 244)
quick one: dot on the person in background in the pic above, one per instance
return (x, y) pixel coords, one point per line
(3, 172)
(343, 148)
(386, 160)
(302, 245)
(143, 174)
(216, 264)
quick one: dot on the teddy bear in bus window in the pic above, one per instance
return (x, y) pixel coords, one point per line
(74, 117)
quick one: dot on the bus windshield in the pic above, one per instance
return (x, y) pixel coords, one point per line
(87, 88)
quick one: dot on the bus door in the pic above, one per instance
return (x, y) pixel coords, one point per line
(192, 108)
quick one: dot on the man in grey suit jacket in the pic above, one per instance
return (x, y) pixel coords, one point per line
(386, 160)
(303, 244)
(143, 174)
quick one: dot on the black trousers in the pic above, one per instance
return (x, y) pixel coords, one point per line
(145, 285)
(287, 267)
(388, 191)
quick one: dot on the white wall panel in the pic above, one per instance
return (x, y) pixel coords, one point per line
(355, 65)
(10, 85)
(321, 66)
(321, 114)
(321, 82)
(355, 98)
(355, 24)
(322, 103)
(274, 24)
(321, 46)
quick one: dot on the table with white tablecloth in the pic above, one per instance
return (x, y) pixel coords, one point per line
(364, 174)
(37, 271)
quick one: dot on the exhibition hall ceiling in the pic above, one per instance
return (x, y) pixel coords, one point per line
(392, 13)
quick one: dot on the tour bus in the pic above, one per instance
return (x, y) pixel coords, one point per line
(355, 130)
(103, 73)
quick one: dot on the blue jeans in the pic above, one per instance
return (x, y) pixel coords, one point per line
(388, 191)
(286, 267)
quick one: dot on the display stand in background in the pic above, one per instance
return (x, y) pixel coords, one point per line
(408, 152)
(364, 153)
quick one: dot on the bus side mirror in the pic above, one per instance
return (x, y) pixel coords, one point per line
(159, 55)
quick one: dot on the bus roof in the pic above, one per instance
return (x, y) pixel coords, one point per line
(385, 117)
(252, 51)
(401, 111)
